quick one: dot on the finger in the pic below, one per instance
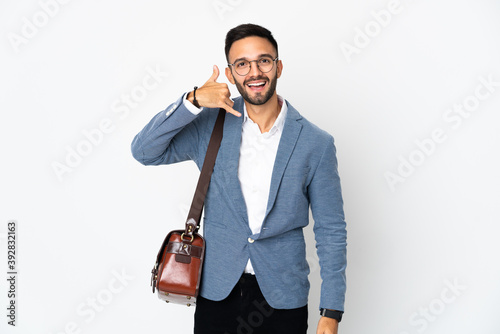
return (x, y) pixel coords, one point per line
(230, 110)
(229, 102)
(215, 75)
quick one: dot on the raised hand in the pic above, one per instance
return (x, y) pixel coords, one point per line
(214, 94)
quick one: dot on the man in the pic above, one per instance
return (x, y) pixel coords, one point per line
(272, 164)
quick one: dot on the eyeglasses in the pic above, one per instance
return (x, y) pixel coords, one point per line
(264, 64)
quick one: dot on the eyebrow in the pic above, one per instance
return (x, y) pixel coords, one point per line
(260, 56)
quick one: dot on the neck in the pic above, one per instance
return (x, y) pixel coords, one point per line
(265, 114)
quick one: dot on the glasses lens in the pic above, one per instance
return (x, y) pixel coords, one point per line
(242, 67)
(266, 64)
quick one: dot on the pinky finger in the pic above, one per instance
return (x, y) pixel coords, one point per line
(231, 110)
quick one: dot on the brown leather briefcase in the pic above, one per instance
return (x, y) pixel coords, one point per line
(177, 271)
(180, 263)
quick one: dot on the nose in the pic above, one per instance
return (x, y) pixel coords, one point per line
(254, 69)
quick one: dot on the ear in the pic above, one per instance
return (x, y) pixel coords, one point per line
(229, 75)
(279, 67)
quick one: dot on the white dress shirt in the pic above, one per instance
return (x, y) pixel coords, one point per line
(257, 154)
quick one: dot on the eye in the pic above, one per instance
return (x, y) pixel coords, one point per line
(265, 61)
(241, 64)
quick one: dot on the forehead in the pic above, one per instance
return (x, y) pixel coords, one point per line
(250, 48)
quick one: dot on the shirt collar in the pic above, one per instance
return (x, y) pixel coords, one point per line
(278, 123)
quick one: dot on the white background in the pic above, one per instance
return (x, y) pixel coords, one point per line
(437, 226)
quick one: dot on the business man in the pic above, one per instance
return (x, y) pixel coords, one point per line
(271, 166)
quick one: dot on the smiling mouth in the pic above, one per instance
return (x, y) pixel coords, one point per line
(257, 85)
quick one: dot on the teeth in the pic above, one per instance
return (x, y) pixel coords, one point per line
(257, 84)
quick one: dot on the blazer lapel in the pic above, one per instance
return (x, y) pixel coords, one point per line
(230, 161)
(231, 154)
(291, 131)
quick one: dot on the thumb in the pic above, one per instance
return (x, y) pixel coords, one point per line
(215, 74)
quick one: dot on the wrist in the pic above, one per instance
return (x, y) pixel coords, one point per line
(190, 98)
(333, 314)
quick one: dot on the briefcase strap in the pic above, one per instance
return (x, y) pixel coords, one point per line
(194, 216)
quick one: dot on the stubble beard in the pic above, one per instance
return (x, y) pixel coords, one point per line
(259, 99)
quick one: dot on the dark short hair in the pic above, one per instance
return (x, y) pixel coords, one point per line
(247, 30)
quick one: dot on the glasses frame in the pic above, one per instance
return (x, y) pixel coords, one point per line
(250, 67)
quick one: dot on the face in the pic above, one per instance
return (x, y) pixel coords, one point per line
(256, 87)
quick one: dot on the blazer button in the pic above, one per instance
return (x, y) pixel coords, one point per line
(250, 240)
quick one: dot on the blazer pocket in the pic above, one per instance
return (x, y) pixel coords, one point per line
(214, 222)
(296, 234)
(294, 183)
(292, 241)
(297, 173)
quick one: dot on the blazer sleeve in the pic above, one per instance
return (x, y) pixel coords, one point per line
(173, 135)
(329, 229)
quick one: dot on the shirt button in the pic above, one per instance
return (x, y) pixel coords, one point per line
(250, 240)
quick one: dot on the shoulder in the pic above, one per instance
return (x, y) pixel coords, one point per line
(309, 130)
